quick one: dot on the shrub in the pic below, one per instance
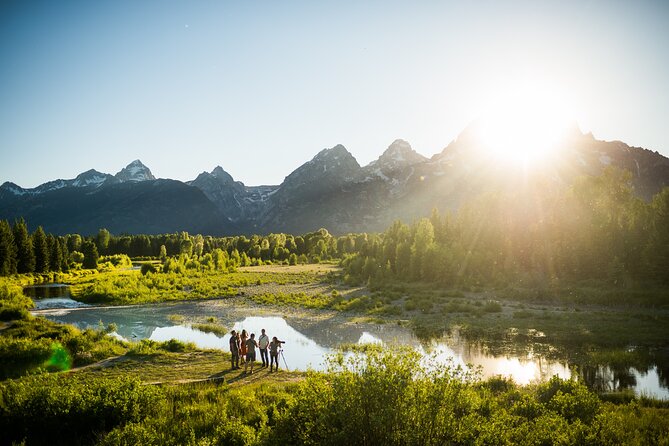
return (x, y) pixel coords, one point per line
(147, 268)
(53, 409)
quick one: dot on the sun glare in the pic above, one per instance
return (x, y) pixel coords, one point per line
(525, 125)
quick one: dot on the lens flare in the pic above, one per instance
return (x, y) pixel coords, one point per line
(60, 358)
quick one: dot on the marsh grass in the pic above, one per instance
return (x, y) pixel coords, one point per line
(132, 287)
(216, 329)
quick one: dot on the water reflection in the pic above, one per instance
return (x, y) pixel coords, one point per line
(310, 340)
(52, 295)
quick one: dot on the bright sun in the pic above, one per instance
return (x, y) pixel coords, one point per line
(525, 125)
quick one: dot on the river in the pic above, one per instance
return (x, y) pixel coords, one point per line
(312, 336)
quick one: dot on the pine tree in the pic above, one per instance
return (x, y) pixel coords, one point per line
(65, 254)
(56, 255)
(25, 257)
(7, 249)
(41, 249)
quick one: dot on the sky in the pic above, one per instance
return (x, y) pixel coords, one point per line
(260, 87)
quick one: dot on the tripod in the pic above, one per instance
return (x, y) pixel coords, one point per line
(284, 358)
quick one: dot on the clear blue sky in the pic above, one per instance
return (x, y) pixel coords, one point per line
(260, 87)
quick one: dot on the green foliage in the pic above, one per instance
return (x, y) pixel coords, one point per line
(25, 255)
(13, 303)
(211, 328)
(102, 241)
(147, 268)
(8, 250)
(41, 250)
(385, 398)
(116, 261)
(149, 347)
(372, 396)
(535, 238)
(50, 409)
(91, 256)
(206, 414)
(36, 343)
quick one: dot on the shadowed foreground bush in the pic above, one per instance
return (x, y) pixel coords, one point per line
(390, 399)
(379, 398)
(51, 409)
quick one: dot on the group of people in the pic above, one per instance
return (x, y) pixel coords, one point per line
(243, 347)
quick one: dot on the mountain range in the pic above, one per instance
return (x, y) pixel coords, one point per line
(331, 190)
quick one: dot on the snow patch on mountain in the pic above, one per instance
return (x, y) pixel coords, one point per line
(91, 178)
(135, 171)
(15, 189)
(393, 165)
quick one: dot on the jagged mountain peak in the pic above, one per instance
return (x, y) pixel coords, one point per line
(12, 188)
(333, 153)
(135, 171)
(400, 153)
(335, 159)
(221, 174)
(394, 163)
(90, 178)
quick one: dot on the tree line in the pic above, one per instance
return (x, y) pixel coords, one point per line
(596, 229)
(22, 252)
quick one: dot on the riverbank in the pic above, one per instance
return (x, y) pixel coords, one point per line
(505, 322)
(565, 317)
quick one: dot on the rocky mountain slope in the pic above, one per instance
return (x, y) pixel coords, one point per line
(331, 190)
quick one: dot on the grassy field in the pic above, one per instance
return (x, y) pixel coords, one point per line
(167, 368)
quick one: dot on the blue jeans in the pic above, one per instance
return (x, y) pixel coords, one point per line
(263, 357)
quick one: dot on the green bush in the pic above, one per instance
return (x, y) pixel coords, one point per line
(14, 304)
(29, 343)
(52, 409)
(147, 268)
(18, 356)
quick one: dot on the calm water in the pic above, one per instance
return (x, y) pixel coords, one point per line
(310, 340)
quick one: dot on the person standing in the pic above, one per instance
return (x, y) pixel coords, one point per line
(263, 343)
(234, 349)
(251, 345)
(274, 350)
(242, 345)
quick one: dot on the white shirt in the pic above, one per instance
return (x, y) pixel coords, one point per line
(263, 341)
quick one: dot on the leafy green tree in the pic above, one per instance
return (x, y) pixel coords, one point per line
(102, 241)
(7, 249)
(25, 255)
(41, 249)
(91, 255)
(74, 242)
(198, 245)
(186, 247)
(657, 251)
(163, 253)
(76, 257)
